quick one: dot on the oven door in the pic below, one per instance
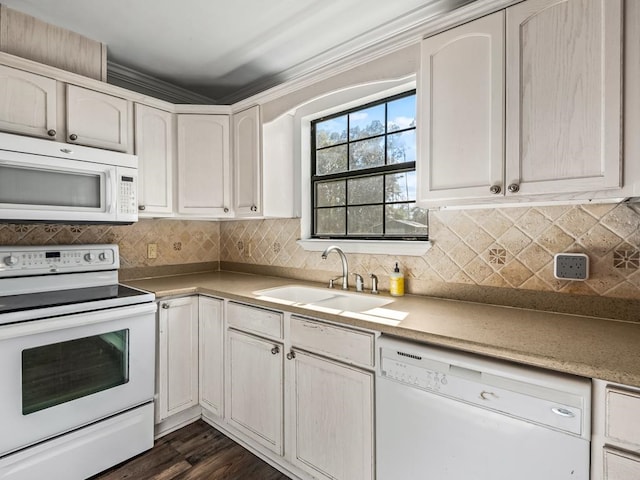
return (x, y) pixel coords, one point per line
(61, 373)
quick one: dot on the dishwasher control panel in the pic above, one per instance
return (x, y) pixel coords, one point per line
(413, 375)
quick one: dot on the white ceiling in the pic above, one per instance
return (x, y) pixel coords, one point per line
(228, 50)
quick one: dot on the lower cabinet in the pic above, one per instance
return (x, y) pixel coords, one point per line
(211, 343)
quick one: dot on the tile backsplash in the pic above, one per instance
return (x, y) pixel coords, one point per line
(508, 247)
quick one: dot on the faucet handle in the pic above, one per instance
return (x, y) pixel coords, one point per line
(359, 282)
(374, 284)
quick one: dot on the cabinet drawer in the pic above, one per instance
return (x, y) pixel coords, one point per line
(623, 415)
(346, 344)
(620, 465)
(253, 319)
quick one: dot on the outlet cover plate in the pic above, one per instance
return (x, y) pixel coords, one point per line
(571, 266)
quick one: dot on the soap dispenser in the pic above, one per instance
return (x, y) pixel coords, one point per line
(396, 282)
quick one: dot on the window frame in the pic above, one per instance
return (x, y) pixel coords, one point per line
(382, 171)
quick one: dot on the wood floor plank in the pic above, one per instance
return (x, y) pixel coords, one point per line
(195, 452)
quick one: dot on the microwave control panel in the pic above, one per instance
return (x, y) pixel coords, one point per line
(127, 192)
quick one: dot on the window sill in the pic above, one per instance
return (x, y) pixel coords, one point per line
(382, 247)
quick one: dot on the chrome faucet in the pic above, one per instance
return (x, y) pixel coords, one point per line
(345, 267)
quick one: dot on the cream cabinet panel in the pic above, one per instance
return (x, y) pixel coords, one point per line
(462, 112)
(211, 334)
(333, 419)
(247, 163)
(96, 119)
(564, 96)
(177, 356)
(623, 415)
(204, 165)
(154, 133)
(28, 103)
(254, 386)
(621, 465)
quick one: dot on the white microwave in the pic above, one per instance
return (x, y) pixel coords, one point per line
(45, 181)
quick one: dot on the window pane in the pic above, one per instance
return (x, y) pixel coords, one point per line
(330, 194)
(61, 372)
(330, 221)
(366, 154)
(331, 132)
(401, 147)
(365, 190)
(401, 113)
(331, 160)
(366, 123)
(401, 187)
(365, 220)
(406, 219)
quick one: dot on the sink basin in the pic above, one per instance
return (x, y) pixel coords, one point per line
(322, 298)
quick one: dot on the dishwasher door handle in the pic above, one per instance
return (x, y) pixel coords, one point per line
(563, 412)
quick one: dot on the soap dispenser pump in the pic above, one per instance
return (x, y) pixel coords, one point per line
(396, 282)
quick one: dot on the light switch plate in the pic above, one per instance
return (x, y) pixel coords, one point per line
(571, 266)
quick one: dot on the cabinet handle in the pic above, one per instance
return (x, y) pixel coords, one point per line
(225, 210)
(254, 208)
(495, 189)
(275, 350)
(291, 355)
(141, 207)
(165, 305)
(73, 137)
(514, 187)
(51, 133)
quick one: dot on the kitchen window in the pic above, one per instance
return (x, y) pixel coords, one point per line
(363, 178)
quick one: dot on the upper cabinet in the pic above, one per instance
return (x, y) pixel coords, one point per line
(462, 100)
(247, 163)
(564, 96)
(557, 67)
(28, 103)
(154, 146)
(204, 165)
(96, 119)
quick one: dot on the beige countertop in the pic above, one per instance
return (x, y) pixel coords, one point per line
(587, 346)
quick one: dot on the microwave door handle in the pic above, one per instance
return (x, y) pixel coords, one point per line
(110, 187)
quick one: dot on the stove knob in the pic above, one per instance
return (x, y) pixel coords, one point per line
(102, 256)
(10, 260)
(89, 257)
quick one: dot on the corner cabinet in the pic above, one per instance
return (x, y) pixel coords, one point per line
(204, 165)
(247, 163)
(560, 81)
(211, 346)
(177, 381)
(28, 104)
(96, 119)
(154, 146)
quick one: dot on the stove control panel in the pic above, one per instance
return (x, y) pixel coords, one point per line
(41, 260)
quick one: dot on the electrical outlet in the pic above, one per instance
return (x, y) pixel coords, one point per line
(571, 266)
(152, 250)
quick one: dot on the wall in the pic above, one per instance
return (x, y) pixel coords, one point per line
(180, 242)
(476, 254)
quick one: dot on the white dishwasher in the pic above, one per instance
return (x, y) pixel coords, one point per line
(449, 415)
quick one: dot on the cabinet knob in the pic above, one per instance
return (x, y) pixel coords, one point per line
(254, 208)
(51, 133)
(141, 207)
(275, 350)
(73, 137)
(513, 188)
(165, 305)
(291, 355)
(495, 189)
(225, 210)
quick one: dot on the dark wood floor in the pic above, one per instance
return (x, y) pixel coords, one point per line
(196, 451)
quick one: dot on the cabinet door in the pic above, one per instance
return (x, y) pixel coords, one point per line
(154, 148)
(332, 408)
(177, 356)
(211, 334)
(96, 119)
(247, 164)
(462, 112)
(564, 96)
(28, 103)
(204, 165)
(255, 389)
(619, 465)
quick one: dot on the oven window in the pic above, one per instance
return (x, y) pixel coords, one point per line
(61, 372)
